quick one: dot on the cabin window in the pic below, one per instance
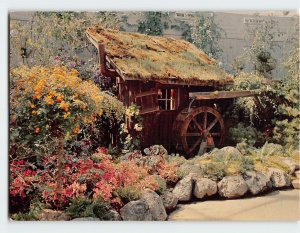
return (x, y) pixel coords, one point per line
(166, 99)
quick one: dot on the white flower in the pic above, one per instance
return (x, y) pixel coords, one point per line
(138, 127)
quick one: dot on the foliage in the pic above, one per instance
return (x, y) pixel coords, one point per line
(259, 53)
(241, 133)
(59, 36)
(131, 132)
(153, 24)
(85, 207)
(46, 101)
(205, 34)
(287, 129)
(156, 161)
(217, 165)
(104, 179)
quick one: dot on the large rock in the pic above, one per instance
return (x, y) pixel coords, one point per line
(293, 166)
(136, 211)
(169, 200)
(226, 151)
(183, 189)
(187, 168)
(156, 206)
(232, 186)
(204, 188)
(53, 215)
(257, 182)
(115, 216)
(279, 178)
(296, 184)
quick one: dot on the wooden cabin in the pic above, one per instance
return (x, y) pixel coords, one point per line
(158, 74)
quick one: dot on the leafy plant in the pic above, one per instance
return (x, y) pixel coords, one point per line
(85, 207)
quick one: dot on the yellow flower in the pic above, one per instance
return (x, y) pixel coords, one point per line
(47, 127)
(48, 99)
(34, 112)
(64, 105)
(66, 115)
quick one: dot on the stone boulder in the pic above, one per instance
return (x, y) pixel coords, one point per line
(293, 166)
(115, 216)
(225, 151)
(279, 178)
(257, 182)
(53, 215)
(188, 168)
(136, 211)
(296, 184)
(183, 189)
(204, 188)
(156, 206)
(232, 186)
(169, 200)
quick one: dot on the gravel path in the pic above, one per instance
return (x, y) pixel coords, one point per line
(278, 205)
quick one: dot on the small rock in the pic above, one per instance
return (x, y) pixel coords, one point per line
(279, 178)
(183, 189)
(232, 186)
(204, 188)
(86, 219)
(257, 182)
(136, 211)
(296, 184)
(115, 216)
(156, 206)
(53, 215)
(169, 200)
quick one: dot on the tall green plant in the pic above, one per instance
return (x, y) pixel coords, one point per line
(205, 34)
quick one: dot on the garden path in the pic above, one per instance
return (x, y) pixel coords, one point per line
(281, 205)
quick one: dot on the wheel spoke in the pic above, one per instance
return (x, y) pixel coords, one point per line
(195, 145)
(196, 123)
(193, 134)
(205, 119)
(212, 124)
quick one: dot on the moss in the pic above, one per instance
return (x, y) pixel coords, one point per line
(151, 57)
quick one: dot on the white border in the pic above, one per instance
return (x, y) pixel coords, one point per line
(134, 5)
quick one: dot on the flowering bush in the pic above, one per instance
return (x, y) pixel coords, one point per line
(81, 177)
(45, 101)
(131, 130)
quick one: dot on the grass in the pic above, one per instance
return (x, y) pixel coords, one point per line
(151, 57)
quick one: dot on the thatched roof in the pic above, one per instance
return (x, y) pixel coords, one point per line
(144, 57)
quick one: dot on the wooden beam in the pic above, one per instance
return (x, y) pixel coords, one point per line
(222, 94)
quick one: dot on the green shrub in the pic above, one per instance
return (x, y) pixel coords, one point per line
(128, 193)
(248, 134)
(85, 207)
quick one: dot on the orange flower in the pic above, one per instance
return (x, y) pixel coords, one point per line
(34, 112)
(37, 130)
(76, 130)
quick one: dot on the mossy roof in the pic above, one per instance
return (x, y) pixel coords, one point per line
(145, 57)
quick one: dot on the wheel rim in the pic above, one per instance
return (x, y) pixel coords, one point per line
(199, 123)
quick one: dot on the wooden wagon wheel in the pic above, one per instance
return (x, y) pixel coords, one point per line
(197, 126)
